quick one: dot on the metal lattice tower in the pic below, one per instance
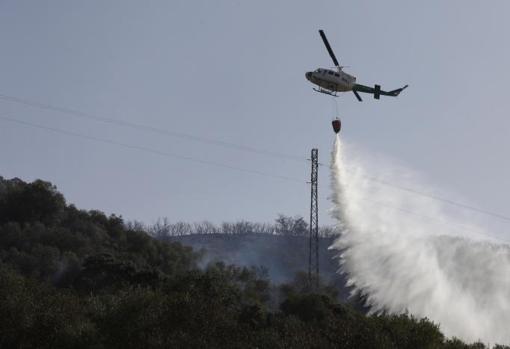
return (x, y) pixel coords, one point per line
(313, 260)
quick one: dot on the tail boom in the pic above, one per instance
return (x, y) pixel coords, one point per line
(376, 91)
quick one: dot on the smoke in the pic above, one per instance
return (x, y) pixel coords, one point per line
(410, 253)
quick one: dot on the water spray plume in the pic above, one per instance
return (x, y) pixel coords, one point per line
(402, 264)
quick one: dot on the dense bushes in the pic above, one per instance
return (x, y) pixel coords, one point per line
(76, 279)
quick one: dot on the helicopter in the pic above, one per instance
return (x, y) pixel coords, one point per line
(330, 81)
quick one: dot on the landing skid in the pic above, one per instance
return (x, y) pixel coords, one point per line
(326, 92)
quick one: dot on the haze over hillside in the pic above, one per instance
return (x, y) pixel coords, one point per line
(71, 278)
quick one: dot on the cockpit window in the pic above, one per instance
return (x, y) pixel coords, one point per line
(330, 73)
(337, 75)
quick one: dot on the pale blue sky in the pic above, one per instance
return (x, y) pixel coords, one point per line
(234, 71)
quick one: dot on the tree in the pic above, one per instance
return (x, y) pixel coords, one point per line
(36, 201)
(286, 225)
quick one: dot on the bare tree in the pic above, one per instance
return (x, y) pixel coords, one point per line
(181, 228)
(286, 225)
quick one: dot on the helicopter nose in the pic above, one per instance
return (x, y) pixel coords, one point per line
(308, 75)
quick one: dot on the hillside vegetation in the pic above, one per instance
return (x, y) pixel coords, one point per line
(71, 278)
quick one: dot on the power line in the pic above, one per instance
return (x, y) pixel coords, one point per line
(148, 128)
(438, 198)
(216, 164)
(149, 150)
(437, 221)
(153, 129)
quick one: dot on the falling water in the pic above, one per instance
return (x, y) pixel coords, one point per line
(407, 253)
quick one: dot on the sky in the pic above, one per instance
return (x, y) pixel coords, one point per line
(233, 71)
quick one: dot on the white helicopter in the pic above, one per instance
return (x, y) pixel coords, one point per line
(330, 82)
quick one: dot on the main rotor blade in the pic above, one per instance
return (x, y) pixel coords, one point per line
(323, 36)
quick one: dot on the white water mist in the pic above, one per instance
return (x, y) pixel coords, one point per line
(409, 254)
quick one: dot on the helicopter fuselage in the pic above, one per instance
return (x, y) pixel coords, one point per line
(334, 81)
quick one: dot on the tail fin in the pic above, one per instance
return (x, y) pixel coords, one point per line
(377, 91)
(396, 92)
